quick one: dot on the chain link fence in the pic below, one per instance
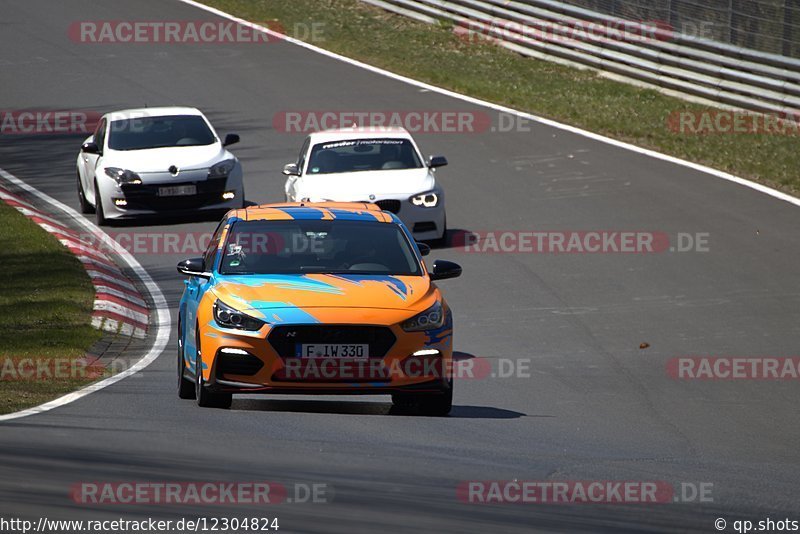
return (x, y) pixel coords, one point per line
(767, 25)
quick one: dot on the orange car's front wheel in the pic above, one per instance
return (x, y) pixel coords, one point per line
(185, 386)
(432, 404)
(205, 397)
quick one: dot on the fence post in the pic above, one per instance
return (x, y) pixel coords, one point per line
(787, 27)
(672, 16)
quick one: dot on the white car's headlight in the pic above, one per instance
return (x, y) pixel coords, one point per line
(229, 317)
(123, 176)
(430, 319)
(427, 200)
(222, 169)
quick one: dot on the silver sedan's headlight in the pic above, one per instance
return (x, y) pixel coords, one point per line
(123, 176)
(430, 319)
(428, 199)
(222, 169)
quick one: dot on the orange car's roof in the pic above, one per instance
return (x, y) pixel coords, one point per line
(314, 210)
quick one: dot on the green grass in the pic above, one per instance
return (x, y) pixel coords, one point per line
(434, 54)
(45, 309)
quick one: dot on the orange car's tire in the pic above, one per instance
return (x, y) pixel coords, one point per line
(437, 405)
(402, 402)
(205, 397)
(429, 404)
(185, 386)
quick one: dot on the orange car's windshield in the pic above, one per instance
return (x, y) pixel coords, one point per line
(316, 246)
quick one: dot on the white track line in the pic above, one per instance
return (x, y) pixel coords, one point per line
(163, 325)
(478, 102)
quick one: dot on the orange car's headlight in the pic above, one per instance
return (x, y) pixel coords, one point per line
(430, 319)
(228, 317)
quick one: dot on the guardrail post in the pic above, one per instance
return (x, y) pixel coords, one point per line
(787, 27)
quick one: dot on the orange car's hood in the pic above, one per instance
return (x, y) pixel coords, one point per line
(269, 292)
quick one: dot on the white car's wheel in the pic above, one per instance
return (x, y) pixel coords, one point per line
(86, 208)
(99, 213)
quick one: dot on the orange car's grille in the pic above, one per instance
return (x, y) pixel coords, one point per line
(284, 339)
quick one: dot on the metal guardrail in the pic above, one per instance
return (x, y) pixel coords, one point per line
(766, 25)
(641, 51)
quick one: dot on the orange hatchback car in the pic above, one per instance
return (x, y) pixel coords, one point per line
(325, 298)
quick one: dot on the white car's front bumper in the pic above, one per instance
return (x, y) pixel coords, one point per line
(129, 201)
(425, 224)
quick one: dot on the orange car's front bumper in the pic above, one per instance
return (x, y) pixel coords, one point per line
(267, 360)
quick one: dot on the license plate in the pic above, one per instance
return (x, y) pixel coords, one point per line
(177, 191)
(336, 351)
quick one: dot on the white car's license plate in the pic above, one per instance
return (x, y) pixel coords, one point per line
(177, 191)
(336, 351)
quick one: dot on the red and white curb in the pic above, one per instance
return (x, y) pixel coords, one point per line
(160, 321)
(118, 305)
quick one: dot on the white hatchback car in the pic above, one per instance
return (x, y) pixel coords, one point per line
(379, 165)
(157, 161)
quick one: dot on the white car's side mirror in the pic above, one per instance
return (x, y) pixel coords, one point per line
(90, 148)
(437, 161)
(291, 169)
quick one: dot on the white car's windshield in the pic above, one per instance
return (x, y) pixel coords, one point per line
(363, 155)
(140, 133)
